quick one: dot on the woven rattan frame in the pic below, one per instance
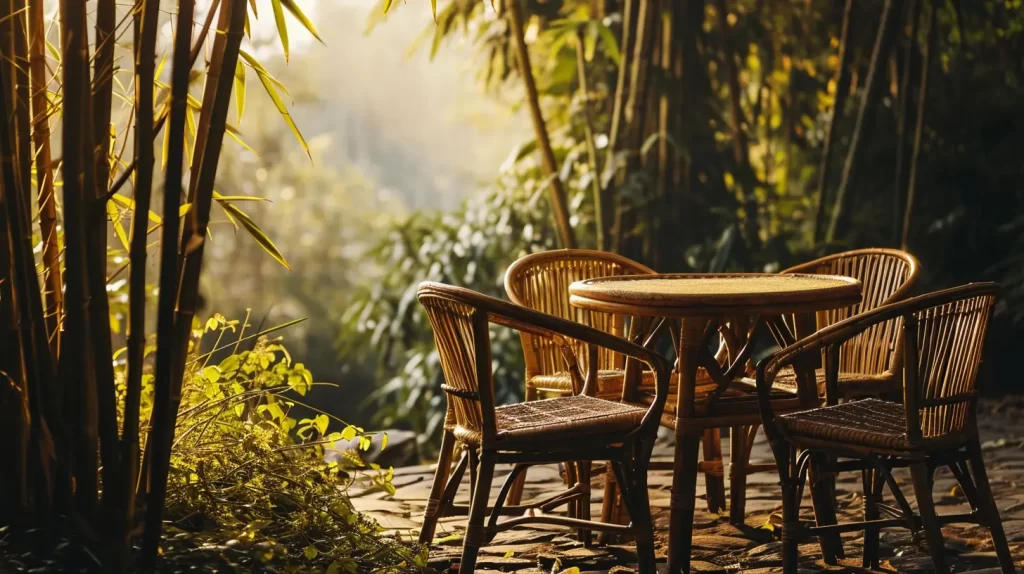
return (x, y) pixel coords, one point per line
(541, 282)
(943, 337)
(886, 276)
(461, 319)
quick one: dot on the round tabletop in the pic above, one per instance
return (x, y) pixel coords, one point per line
(715, 294)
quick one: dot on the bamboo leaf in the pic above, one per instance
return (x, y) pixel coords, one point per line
(433, 9)
(236, 135)
(611, 45)
(240, 88)
(256, 233)
(268, 85)
(260, 70)
(387, 5)
(220, 197)
(294, 10)
(129, 203)
(282, 26)
(255, 12)
(115, 216)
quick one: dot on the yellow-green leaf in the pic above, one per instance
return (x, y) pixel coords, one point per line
(261, 71)
(321, 422)
(268, 85)
(433, 9)
(349, 433)
(310, 552)
(384, 441)
(115, 216)
(387, 5)
(282, 26)
(129, 203)
(240, 88)
(257, 233)
(293, 8)
(236, 135)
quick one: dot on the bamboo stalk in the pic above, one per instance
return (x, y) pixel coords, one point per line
(23, 106)
(741, 148)
(75, 369)
(904, 112)
(126, 175)
(842, 90)
(34, 357)
(44, 175)
(559, 204)
(96, 171)
(872, 86)
(620, 89)
(588, 136)
(220, 81)
(929, 51)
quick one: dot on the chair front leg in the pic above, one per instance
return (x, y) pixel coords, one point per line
(684, 494)
(922, 478)
(823, 497)
(476, 535)
(739, 460)
(435, 503)
(987, 507)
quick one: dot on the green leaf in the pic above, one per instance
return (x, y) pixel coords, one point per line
(611, 45)
(282, 26)
(115, 216)
(268, 84)
(240, 88)
(321, 422)
(257, 233)
(310, 552)
(294, 10)
(129, 203)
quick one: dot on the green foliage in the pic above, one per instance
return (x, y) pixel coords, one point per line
(250, 475)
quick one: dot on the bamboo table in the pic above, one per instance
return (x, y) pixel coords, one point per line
(703, 303)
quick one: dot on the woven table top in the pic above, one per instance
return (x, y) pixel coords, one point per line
(689, 294)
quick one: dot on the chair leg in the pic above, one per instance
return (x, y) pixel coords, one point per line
(714, 484)
(823, 497)
(684, 494)
(434, 502)
(515, 494)
(738, 464)
(872, 496)
(791, 494)
(634, 493)
(608, 504)
(583, 504)
(476, 536)
(922, 478)
(987, 505)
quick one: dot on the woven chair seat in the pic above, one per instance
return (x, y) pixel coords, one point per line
(869, 422)
(850, 384)
(560, 418)
(609, 382)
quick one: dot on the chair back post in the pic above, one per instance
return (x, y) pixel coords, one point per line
(484, 374)
(911, 366)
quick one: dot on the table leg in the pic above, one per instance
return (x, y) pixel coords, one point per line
(684, 480)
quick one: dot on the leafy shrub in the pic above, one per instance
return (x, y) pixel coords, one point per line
(248, 480)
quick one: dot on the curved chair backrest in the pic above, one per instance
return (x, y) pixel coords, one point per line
(540, 281)
(460, 318)
(943, 335)
(886, 276)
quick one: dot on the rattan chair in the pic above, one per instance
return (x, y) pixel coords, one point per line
(943, 337)
(541, 282)
(869, 363)
(577, 427)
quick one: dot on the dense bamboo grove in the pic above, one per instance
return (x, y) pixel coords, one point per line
(80, 461)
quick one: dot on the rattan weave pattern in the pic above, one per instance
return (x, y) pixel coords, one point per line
(854, 384)
(562, 417)
(869, 422)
